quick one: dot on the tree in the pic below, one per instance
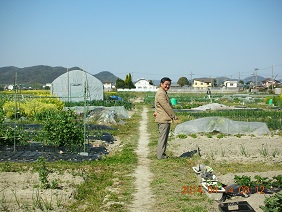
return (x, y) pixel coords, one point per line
(128, 82)
(151, 82)
(182, 81)
(214, 83)
(120, 83)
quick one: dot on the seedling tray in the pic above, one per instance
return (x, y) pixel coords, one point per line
(241, 206)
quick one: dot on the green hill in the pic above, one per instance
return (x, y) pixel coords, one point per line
(42, 74)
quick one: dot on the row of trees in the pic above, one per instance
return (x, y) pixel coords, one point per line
(127, 83)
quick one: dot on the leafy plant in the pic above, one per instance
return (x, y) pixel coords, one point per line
(220, 135)
(64, 129)
(193, 135)
(275, 152)
(277, 181)
(264, 151)
(273, 203)
(265, 181)
(222, 152)
(43, 172)
(243, 150)
(244, 181)
(238, 135)
(7, 167)
(182, 136)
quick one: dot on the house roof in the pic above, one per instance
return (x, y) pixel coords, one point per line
(204, 79)
(141, 79)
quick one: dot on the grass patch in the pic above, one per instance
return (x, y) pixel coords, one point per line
(108, 183)
(173, 175)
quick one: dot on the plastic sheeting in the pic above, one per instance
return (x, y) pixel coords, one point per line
(103, 115)
(119, 111)
(72, 85)
(223, 125)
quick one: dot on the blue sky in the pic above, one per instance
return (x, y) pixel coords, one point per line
(147, 38)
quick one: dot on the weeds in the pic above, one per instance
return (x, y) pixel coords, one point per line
(209, 135)
(58, 200)
(4, 203)
(182, 136)
(193, 135)
(275, 152)
(243, 151)
(16, 198)
(264, 151)
(220, 135)
(222, 152)
(238, 135)
(7, 167)
(43, 173)
(37, 203)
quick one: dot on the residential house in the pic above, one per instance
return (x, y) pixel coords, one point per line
(144, 85)
(267, 83)
(141, 85)
(231, 84)
(108, 86)
(203, 83)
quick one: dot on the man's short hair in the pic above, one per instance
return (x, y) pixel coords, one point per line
(165, 79)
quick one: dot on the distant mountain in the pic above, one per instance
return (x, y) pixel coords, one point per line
(29, 75)
(42, 74)
(253, 78)
(106, 76)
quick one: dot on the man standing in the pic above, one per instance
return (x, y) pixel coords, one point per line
(209, 93)
(163, 116)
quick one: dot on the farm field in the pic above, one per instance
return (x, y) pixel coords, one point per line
(234, 155)
(108, 184)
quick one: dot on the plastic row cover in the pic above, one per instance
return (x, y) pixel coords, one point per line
(223, 125)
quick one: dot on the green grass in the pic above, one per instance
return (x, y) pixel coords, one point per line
(101, 176)
(173, 174)
(109, 183)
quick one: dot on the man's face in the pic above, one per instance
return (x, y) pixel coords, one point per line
(165, 85)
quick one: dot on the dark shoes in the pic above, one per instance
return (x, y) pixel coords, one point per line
(164, 156)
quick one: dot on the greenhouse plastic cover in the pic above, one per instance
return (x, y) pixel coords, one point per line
(71, 86)
(223, 125)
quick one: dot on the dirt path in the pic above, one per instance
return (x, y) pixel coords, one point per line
(143, 198)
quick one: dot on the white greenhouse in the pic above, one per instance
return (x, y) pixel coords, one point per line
(76, 86)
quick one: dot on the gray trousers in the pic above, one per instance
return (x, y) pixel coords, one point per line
(163, 137)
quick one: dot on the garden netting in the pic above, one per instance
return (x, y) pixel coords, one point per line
(223, 125)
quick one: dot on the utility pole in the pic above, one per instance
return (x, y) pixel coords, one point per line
(256, 71)
(191, 77)
(253, 80)
(272, 79)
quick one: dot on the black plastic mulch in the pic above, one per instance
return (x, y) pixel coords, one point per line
(39, 126)
(31, 153)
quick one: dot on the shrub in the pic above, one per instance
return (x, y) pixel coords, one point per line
(273, 203)
(32, 107)
(64, 129)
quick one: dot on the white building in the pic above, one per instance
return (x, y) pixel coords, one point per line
(108, 86)
(231, 84)
(144, 85)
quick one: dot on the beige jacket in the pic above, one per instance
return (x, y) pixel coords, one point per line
(163, 107)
